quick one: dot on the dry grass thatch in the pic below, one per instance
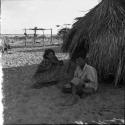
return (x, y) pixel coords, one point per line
(103, 29)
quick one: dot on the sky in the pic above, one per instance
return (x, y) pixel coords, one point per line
(19, 14)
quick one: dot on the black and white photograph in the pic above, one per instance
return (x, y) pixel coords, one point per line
(62, 62)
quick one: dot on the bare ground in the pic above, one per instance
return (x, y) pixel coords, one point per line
(26, 105)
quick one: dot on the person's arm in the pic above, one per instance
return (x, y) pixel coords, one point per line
(85, 81)
(88, 80)
(92, 76)
(68, 66)
(43, 66)
(76, 72)
(54, 60)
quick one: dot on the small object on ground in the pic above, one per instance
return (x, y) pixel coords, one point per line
(41, 85)
(36, 86)
(83, 96)
(67, 86)
(66, 90)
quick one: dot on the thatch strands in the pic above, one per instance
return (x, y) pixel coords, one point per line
(103, 29)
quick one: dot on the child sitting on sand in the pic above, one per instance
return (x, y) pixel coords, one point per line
(84, 80)
(48, 70)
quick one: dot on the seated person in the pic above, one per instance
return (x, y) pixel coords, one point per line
(48, 70)
(85, 79)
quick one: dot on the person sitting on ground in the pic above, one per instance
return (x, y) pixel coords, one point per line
(85, 79)
(48, 70)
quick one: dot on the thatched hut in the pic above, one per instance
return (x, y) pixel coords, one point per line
(101, 35)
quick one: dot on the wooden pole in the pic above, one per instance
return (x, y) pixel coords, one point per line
(43, 38)
(25, 40)
(25, 36)
(51, 36)
(34, 36)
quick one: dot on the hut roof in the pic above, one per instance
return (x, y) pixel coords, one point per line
(103, 30)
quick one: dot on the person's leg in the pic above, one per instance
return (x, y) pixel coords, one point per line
(88, 90)
(79, 90)
(75, 96)
(74, 90)
(73, 99)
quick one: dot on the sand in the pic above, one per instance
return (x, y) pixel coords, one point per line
(25, 105)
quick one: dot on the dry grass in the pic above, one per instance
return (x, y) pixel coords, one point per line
(103, 28)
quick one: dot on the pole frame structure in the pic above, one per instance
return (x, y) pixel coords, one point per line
(25, 35)
(35, 29)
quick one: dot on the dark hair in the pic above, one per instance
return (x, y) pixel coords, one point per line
(47, 51)
(74, 57)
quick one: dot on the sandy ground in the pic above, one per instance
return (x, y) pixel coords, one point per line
(22, 104)
(28, 56)
(26, 105)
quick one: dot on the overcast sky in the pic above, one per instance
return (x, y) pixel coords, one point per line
(19, 14)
